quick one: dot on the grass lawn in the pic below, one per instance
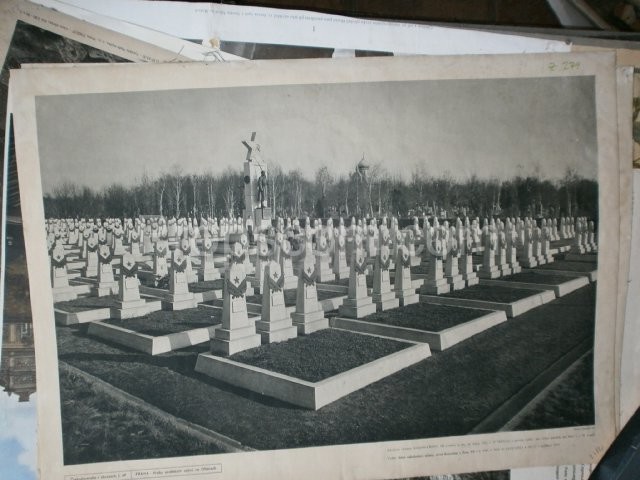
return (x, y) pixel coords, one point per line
(290, 297)
(99, 427)
(319, 355)
(165, 322)
(566, 265)
(491, 293)
(424, 316)
(544, 279)
(463, 384)
(83, 304)
(568, 404)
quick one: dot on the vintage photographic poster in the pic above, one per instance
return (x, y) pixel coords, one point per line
(376, 267)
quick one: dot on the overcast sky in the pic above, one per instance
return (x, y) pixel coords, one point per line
(493, 128)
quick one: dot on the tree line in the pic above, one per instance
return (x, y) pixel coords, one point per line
(371, 191)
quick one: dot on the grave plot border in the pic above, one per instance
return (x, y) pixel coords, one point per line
(437, 341)
(512, 309)
(581, 257)
(560, 289)
(591, 275)
(311, 395)
(149, 344)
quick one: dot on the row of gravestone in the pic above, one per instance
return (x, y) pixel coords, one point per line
(151, 229)
(447, 251)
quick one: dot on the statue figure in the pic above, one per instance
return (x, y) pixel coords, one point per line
(262, 188)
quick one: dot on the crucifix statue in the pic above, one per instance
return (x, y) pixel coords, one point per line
(253, 148)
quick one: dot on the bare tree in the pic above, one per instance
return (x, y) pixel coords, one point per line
(161, 186)
(324, 179)
(177, 181)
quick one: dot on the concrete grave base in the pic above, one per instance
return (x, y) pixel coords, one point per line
(407, 297)
(179, 304)
(62, 294)
(229, 342)
(104, 290)
(435, 288)
(504, 270)
(326, 276)
(493, 273)
(357, 307)
(209, 276)
(512, 309)
(138, 310)
(311, 395)
(471, 279)
(342, 274)
(334, 303)
(310, 322)
(529, 262)
(457, 282)
(278, 331)
(516, 269)
(149, 344)
(437, 340)
(386, 301)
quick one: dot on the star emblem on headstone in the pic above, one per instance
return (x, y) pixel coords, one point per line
(275, 275)
(309, 270)
(236, 280)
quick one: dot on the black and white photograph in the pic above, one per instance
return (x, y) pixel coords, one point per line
(279, 257)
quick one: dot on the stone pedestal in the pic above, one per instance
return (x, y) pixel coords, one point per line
(383, 296)
(403, 287)
(275, 323)
(62, 291)
(161, 250)
(465, 266)
(358, 303)
(308, 316)
(209, 270)
(180, 298)
(286, 265)
(91, 268)
(451, 272)
(340, 267)
(238, 331)
(107, 284)
(325, 274)
(435, 283)
(501, 261)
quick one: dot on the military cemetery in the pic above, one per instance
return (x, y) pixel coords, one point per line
(279, 314)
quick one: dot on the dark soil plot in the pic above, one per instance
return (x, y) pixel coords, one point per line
(491, 293)
(581, 267)
(290, 297)
(543, 279)
(206, 286)
(154, 282)
(320, 355)
(98, 426)
(424, 316)
(463, 384)
(87, 303)
(562, 243)
(567, 404)
(166, 322)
